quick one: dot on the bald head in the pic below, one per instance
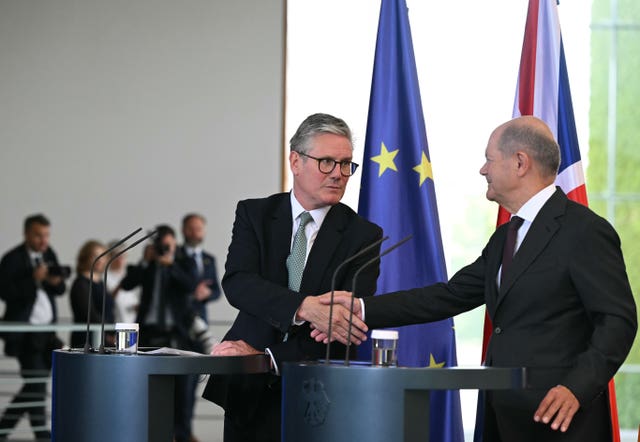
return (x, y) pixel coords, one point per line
(522, 158)
(532, 135)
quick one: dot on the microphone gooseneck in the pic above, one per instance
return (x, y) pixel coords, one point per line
(87, 347)
(333, 287)
(353, 288)
(104, 287)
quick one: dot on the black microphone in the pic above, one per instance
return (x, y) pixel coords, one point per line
(87, 347)
(104, 287)
(333, 286)
(353, 288)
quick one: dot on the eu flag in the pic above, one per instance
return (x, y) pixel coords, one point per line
(397, 193)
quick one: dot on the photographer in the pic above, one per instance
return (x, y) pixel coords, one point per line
(164, 304)
(30, 278)
(164, 315)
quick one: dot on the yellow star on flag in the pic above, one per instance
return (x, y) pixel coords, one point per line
(433, 363)
(385, 159)
(424, 169)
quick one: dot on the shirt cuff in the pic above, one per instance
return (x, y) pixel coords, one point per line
(293, 320)
(362, 307)
(273, 361)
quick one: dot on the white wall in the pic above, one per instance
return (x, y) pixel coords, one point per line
(122, 114)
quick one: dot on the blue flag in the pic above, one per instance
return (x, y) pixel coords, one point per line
(397, 193)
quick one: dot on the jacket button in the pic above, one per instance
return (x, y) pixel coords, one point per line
(497, 330)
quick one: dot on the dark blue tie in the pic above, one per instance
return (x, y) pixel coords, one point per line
(510, 245)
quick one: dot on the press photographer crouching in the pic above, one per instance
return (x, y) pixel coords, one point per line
(30, 279)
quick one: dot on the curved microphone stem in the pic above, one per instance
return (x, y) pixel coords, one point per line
(104, 287)
(87, 347)
(353, 288)
(333, 287)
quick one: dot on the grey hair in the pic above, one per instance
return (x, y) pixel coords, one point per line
(318, 124)
(536, 142)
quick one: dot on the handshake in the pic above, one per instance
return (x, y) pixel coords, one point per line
(315, 310)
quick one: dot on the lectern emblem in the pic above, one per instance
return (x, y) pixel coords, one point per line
(317, 402)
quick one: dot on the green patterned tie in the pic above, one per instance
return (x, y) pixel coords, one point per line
(296, 260)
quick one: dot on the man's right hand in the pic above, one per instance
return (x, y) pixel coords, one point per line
(315, 310)
(344, 299)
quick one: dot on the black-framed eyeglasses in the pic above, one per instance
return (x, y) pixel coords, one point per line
(326, 165)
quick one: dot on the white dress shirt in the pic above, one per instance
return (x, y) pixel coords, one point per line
(42, 311)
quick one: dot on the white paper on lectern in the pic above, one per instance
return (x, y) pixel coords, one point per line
(171, 352)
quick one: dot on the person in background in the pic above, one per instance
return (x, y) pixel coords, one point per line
(30, 279)
(202, 268)
(284, 250)
(125, 301)
(200, 264)
(79, 295)
(165, 315)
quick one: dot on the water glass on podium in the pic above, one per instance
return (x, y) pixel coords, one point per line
(385, 348)
(127, 337)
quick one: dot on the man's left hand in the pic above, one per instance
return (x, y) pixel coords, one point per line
(561, 403)
(234, 348)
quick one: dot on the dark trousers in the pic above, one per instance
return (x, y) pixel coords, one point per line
(507, 423)
(262, 426)
(34, 363)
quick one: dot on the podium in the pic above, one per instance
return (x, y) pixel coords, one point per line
(340, 403)
(119, 397)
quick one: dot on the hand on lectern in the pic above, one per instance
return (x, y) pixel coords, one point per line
(234, 348)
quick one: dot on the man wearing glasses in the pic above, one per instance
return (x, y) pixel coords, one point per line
(283, 253)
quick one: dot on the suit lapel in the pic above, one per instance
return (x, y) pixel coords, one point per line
(279, 237)
(494, 260)
(324, 247)
(543, 228)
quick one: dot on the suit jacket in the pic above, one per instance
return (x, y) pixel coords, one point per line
(565, 307)
(209, 273)
(256, 281)
(18, 290)
(176, 285)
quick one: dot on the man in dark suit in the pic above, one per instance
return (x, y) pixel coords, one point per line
(562, 305)
(200, 264)
(28, 285)
(283, 252)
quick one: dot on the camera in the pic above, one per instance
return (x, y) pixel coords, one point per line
(160, 248)
(58, 270)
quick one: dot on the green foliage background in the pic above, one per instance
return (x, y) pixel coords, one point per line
(613, 175)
